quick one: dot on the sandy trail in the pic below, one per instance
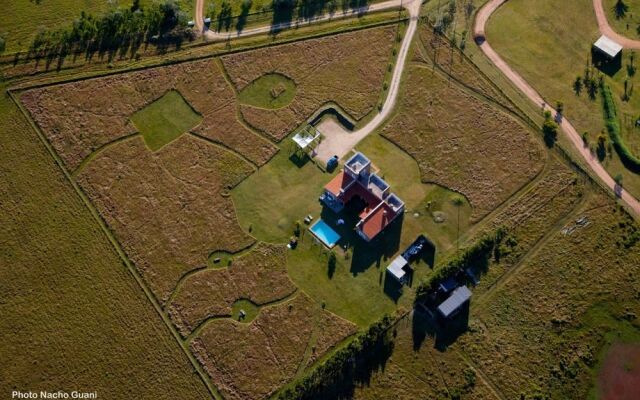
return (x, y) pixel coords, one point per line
(573, 135)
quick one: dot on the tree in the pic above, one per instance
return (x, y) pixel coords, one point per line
(618, 179)
(559, 107)
(549, 130)
(577, 85)
(3, 44)
(331, 264)
(620, 9)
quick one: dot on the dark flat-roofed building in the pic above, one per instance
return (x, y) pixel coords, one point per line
(454, 303)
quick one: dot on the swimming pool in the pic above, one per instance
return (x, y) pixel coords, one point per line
(324, 232)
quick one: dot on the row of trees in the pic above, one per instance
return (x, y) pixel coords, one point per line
(162, 22)
(476, 256)
(276, 12)
(336, 377)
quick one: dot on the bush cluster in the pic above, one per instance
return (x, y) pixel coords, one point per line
(612, 124)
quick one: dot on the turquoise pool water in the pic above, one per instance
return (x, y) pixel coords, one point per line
(324, 232)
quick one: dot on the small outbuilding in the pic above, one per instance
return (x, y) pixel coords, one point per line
(452, 305)
(607, 48)
(398, 269)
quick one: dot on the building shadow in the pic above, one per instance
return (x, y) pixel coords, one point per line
(364, 254)
(608, 66)
(299, 160)
(392, 288)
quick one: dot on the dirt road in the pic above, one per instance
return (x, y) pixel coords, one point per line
(340, 142)
(606, 29)
(217, 36)
(573, 135)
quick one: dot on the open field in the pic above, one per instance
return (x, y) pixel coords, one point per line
(415, 369)
(252, 361)
(324, 70)
(463, 143)
(80, 117)
(437, 51)
(259, 276)
(164, 120)
(552, 66)
(169, 209)
(543, 329)
(73, 317)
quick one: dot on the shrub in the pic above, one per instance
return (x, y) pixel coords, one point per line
(613, 128)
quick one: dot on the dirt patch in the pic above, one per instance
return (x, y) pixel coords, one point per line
(619, 378)
(326, 69)
(252, 361)
(463, 143)
(80, 117)
(169, 209)
(259, 276)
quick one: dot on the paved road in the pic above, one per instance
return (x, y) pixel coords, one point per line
(217, 36)
(571, 133)
(606, 29)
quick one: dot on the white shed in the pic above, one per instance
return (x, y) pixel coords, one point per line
(396, 269)
(607, 47)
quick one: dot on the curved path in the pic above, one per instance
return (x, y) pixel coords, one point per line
(607, 30)
(572, 134)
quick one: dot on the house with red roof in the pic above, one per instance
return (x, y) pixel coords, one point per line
(356, 180)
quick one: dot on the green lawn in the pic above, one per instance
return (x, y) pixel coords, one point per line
(165, 120)
(549, 44)
(269, 91)
(270, 201)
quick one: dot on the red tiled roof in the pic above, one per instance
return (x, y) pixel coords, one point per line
(340, 181)
(375, 222)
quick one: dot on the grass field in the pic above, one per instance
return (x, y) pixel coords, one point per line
(165, 120)
(259, 276)
(268, 91)
(73, 317)
(169, 209)
(552, 320)
(251, 361)
(324, 70)
(81, 117)
(461, 141)
(551, 66)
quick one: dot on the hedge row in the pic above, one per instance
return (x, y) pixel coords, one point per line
(345, 366)
(613, 127)
(473, 256)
